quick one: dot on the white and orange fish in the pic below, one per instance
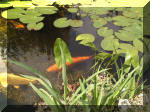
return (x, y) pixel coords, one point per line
(54, 67)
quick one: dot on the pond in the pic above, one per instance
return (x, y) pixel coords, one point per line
(35, 48)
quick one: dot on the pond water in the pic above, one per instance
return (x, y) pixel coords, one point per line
(35, 49)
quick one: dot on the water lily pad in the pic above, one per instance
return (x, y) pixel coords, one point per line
(61, 23)
(126, 35)
(105, 32)
(138, 44)
(35, 26)
(110, 44)
(30, 19)
(85, 38)
(46, 10)
(72, 10)
(76, 23)
(13, 13)
(32, 12)
(99, 23)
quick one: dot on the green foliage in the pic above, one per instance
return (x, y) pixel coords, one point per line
(76, 23)
(72, 10)
(61, 23)
(57, 52)
(98, 23)
(105, 32)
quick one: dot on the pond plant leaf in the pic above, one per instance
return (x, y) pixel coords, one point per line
(42, 3)
(32, 12)
(30, 19)
(110, 44)
(99, 23)
(76, 23)
(126, 35)
(46, 10)
(35, 26)
(85, 39)
(72, 10)
(105, 32)
(57, 52)
(61, 22)
(13, 13)
(138, 45)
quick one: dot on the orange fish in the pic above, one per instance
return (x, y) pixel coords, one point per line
(54, 67)
(17, 25)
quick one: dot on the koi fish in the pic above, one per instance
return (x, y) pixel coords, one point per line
(17, 25)
(15, 80)
(54, 67)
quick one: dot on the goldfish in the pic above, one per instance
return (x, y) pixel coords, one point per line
(14, 80)
(17, 25)
(54, 67)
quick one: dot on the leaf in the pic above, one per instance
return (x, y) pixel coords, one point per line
(13, 13)
(110, 43)
(138, 45)
(57, 52)
(126, 35)
(99, 23)
(105, 32)
(35, 26)
(31, 19)
(47, 10)
(42, 3)
(61, 23)
(76, 23)
(85, 38)
(32, 12)
(72, 10)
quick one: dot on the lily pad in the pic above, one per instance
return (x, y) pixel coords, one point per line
(13, 13)
(32, 12)
(31, 19)
(72, 10)
(76, 23)
(34, 26)
(110, 44)
(46, 10)
(85, 38)
(105, 32)
(61, 23)
(127, 35)
(138, 44)
(99, 23)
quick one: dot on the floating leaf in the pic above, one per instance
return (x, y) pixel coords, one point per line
(61, 23)
(72, 10)
(46, 10)
(105, 32)
(138, 44)
(43, 3)
(34, 26)
(32, 12)
(110, 44)
(85, 38)
(57, 52)
(76, 23)
(31, 19)
(126, 35)
(13, 13)
(99, 23)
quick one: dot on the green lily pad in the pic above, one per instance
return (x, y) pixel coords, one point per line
(35, 26)
(72, 10)
(13, 13)
(61, 23)
(76, 23)
(110, 44)
(105, 32)
(30, 19)
(46, 10)
(138, 44)
(32, 12)
(99, 23)
(85, 38)
(127, 35)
